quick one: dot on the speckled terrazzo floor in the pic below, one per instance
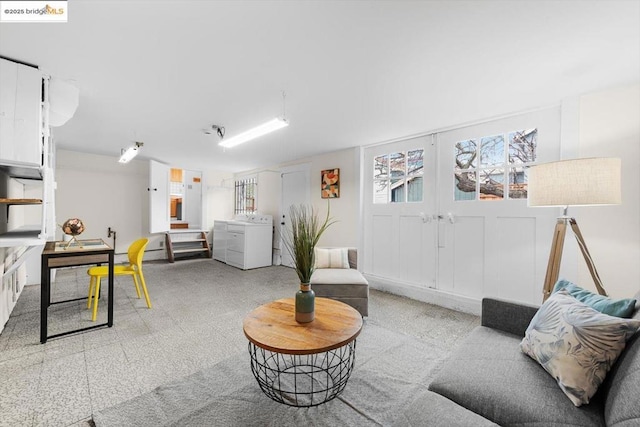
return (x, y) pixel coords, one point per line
(195, 322)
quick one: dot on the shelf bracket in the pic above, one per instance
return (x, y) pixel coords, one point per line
(30, 250)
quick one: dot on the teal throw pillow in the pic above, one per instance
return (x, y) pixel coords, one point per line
(618, 308)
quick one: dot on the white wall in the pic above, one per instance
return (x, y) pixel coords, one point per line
(104, 193)
(610, 127)
(217, 198)
(345, 209)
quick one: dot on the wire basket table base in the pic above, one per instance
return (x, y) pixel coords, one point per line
(303, 380)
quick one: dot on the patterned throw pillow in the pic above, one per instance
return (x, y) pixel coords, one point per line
(332, 258)
(576, 344)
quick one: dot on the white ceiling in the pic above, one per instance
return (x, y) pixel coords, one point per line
(354, 72)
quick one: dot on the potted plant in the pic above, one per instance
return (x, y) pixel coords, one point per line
(302, 236)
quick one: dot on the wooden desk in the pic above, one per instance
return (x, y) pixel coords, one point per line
(302, 364)
(83, 252)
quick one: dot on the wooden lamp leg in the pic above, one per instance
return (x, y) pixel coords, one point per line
(587, 257)
(555, 257)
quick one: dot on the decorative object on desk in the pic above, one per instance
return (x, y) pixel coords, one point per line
(330, 183)
(576, 182)
(72, 227)
(301, 238)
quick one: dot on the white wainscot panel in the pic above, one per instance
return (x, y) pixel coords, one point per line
(515, 260)
(411, 249)
(382, 248)
(469, 256)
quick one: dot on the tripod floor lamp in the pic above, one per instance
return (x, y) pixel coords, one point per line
(576, 182)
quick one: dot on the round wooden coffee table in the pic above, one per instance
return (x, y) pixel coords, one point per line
(302, 364)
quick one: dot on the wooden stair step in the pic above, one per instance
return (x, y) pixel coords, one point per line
(184, 251)
(178, 243)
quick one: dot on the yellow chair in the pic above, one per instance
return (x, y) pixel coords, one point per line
(134, 269)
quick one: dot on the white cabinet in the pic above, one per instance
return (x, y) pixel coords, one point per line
(27, 209)
(159, 214)
(20, 114)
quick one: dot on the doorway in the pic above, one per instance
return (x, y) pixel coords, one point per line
(296, 189)
(175, 198)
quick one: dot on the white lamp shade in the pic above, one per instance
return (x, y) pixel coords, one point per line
(591, 181)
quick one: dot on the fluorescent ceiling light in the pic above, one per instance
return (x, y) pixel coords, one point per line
(129, 153)
(263, 129)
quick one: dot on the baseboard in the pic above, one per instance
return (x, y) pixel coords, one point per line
(428, 295)
(151, 255)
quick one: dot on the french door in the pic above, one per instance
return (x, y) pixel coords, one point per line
(399, 232)
(472, 234)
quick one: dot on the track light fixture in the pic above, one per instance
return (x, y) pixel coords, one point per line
(127, 154)
(219, 130)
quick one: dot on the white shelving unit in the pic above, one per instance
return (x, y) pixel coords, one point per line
(26, 167)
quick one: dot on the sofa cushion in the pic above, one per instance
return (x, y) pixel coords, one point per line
(331, 257)
(489, 375)
(332, 276)
(622, 386)
(613, 307)
(427, 408)
(576, 344)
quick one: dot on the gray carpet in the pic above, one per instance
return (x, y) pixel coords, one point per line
(391, 369)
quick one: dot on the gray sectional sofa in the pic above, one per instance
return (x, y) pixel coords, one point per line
(490, 376)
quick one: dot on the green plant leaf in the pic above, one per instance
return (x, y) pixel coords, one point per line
(302, 235)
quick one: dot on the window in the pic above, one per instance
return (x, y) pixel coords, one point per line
(398, 177)
(246, 195)
(483, 166)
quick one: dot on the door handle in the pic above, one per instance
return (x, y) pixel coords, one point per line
(450, 217)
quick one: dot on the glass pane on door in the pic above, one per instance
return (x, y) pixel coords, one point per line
(381, 191)
(465, 185)
(465, 154)
(522, 146)
(381, 167)
(491, 150)
(492, 184)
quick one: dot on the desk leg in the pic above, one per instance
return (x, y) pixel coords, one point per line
(110, 296)
(45, 295)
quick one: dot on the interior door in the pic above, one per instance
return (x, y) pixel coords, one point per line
(159, 213)
(296, 189)
(490, 243)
